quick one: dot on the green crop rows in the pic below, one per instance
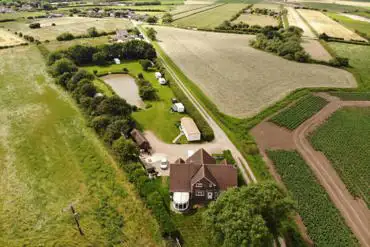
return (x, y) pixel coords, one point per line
(355, 96)
(344, 139)
(295, 115)
(324, 223)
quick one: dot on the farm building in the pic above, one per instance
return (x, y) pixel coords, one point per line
(140, 140)
(190, 129)
(178, 107)
(199, 179)
(162, 81)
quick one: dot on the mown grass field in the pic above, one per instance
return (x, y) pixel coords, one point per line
(344, 139)
(74, 25)
(296, 114)
(17, 15)
(210, 18)
(158, 118)
(324, 223)
(62, 45)
(359, 60)
(361, 26)
(50, 159)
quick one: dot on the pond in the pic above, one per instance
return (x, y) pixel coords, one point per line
(125, 87)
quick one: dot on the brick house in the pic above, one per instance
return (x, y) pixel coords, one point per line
(199, 179)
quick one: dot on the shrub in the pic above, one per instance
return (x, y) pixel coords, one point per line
(53, 24)
(152, 19)
(125, 150)
(99, 58)
(114, 106)
(65, 36)
(339, 62)
(100, 123)
(167, 18)
(147, 92)
(92, 32)
(62, 66)
(145, 64)
(116, 129)
(152, 34)
(35, 25)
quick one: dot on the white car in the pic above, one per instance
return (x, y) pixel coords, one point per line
(164, 164)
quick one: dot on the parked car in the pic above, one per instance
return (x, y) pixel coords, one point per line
(164, 164)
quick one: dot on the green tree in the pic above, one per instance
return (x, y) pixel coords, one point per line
(125, 150)
(61, 66)
(167, 18)
(99, 58)
(35, 25)
(100, 123)
(116, 129)
(114, 106)
(152, 19)
(92, 32)
(152, 34)
(147, 92)
(252, 215)
(65, 36)
(145, 64)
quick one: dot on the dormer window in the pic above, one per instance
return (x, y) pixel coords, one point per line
(199, 185)
(210, 185)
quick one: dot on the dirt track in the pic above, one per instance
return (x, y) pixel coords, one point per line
(354, 211)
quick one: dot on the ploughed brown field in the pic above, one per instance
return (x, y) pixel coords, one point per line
(239, 79)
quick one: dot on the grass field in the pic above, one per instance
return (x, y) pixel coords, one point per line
(17, 15)
(323, 24)
(210, 18)
(236, 85)
(361, 26)
(187, 8)
(272, 6)
(192, 12)
(55, 45)
(8, 38)
(296, 114)
(324, 223)
(351, 161)
(50, 159)
(164, 125)
(359, 60)
(262, 20)
(74, 25)
(330, 6)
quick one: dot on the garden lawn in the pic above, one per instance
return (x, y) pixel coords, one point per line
(359, 60)
(324, 223)
(352, 160)
(49, 159)
(354, 25)
(157, 117)
(210, 18)
(299, 112)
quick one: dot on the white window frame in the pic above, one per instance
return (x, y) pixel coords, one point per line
(199, 193)
(208, 195)
(199, 185)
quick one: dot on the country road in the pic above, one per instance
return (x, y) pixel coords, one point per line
(220, 135)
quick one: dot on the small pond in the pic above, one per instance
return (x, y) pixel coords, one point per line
(125, 87)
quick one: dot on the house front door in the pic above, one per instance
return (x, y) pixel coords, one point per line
(209, 195)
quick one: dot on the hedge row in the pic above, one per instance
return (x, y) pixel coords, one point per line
(111, 119)
(205, 129)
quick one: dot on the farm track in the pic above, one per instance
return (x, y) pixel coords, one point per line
(269, 136)
(220, 135)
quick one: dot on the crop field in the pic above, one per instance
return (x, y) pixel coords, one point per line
(192, 12)
(74, 25)
(352, 24)
(271, 6)
(334, 5)
(262, 20)
(324, 24)
(302, 110)
(324, 223)
(236, 85)
(7, 38)
(186, 8)
(359, 60)
(351, 161)
(210, 18)
(316, 50)
(294, 19)
(49, 159)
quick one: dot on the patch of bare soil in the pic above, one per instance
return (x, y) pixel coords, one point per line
(354, 211)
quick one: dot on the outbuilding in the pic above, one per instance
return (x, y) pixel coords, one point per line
(158, 75)
(140, 140)
(178, 107)
(162, 81)
(117, 61)
(190, 129)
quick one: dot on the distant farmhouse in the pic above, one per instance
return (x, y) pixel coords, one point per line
(199, 179)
